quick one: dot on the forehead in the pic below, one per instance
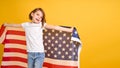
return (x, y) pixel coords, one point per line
(39, 12)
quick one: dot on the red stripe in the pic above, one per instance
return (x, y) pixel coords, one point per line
(57, 66)
(15, 50)
(2, 30)
(13, 41)
(14, 59)
(12, 66)
(14, 32)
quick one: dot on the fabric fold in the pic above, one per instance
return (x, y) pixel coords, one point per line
(62, 49)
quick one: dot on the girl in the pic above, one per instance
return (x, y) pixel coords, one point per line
(34, 36)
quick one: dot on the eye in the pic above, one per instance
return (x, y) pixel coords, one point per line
(37, 14)
(41, 17)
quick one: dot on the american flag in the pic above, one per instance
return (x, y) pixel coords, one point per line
(62, 49)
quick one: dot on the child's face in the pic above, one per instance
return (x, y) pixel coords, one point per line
(37, 16)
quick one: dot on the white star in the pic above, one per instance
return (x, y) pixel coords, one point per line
(64, 34)
(59, 52)
(49, 34)
(63, 56)
(55, 56)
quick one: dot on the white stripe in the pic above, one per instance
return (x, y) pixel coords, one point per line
(18, 37)
(15, 28)
(76, 39)
(20, 46)
(61, 62)
(12, 54)
(8, 63)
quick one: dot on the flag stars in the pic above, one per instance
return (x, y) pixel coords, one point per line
(63, 49)
(49, 34)
(59, 52)
(55, 56)
(56, 41)
(55, 48)
(64, 34)
(69, 56)
(64, 42)
(74, 46)
(49, 48)
(48, 54)
(45, 44)
(74, 53)
(67, 45)
(46, 37)
(53, 37)
(49, 41)
(66, 53)
(52, 45)
(63, 56)
(75, 32)
(56, 34)
(70, 49)
(59, 45)
(68, 38)
(60, 38)
(53, 30)
(52, 52)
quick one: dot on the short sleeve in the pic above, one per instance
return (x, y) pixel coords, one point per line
(23, 25)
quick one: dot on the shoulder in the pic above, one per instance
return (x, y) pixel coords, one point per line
(25, 23)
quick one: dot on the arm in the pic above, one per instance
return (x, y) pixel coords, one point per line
(13, 25)
(58, 28)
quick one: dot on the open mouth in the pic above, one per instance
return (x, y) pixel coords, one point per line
(37, 19)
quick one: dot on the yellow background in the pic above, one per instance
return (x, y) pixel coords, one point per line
(97, 22)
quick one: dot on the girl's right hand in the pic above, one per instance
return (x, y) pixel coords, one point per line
(5, 24)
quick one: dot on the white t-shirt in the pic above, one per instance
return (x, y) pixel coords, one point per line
(34, 36)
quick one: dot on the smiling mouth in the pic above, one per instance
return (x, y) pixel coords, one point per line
(37, 19)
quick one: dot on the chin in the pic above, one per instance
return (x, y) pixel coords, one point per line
(37, 22)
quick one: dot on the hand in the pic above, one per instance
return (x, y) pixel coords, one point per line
(71, 29)
(5, 24)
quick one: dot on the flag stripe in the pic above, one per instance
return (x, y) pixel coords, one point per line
(61, 62)
(13, 32)
(13, 41)
(15, 54)
(11, 54)
(16, 63)
(49, 65)
(10, 45)
(15, 50)
(2, 30)
(75, 39)
(18, 37)
(15, 29)
(2, 34)
(14, 59)
(12, 66)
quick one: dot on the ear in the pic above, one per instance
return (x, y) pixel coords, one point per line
(32, 14)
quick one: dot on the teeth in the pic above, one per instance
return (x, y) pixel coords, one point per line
(37, 19)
